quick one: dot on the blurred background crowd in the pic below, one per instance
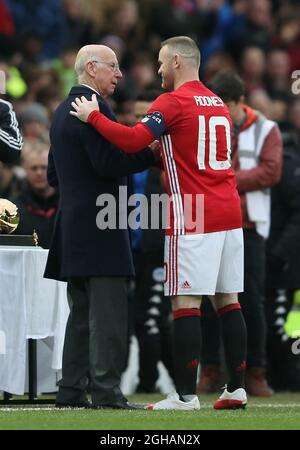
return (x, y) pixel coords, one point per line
(39, 40)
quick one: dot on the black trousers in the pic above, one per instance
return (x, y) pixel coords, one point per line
(252, 303)
(96, 340)
(152, 323)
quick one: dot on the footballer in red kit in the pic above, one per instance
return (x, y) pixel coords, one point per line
(194, 127)
(195, 130)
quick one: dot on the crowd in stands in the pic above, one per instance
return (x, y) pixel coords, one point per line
(258, 38)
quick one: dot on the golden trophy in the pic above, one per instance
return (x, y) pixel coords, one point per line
(9, 216)
(35, 238)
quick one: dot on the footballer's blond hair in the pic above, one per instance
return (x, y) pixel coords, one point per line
(185, 47)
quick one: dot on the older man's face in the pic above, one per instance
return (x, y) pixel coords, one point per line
(107, 73)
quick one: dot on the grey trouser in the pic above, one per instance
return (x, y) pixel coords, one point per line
(96, 340)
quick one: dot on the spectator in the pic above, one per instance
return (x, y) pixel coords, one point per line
(37, 201)
(10, 136)
(282, 270)
(251, 26)
(10, 145)
(278, 72)
(34, 122)
(253, 66)
(10, 180)
(152, 324)
(41, 23)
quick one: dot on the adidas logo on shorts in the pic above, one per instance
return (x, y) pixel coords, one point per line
(185, 285)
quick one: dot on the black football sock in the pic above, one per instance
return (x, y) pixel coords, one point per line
(235, 341)
(187, 348)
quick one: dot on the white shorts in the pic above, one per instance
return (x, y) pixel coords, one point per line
(203, 264)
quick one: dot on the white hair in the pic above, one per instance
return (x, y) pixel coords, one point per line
(81, 60)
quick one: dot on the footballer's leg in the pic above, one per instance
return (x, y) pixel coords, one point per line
(234, 336)
(187, 349)
(192, 269)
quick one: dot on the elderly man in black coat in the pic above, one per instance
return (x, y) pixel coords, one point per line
(96, 262)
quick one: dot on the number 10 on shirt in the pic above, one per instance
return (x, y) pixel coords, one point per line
(213, 142)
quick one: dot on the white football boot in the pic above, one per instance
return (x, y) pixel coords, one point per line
(173, 402)
(232, 400)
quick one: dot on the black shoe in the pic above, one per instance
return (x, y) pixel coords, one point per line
(119, 405)
(80, 404)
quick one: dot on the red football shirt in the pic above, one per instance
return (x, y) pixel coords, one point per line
(196, 148)
(194, 128)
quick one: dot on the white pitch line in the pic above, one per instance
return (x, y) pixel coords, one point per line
(14, 409)
(272, 405)
(205, 406)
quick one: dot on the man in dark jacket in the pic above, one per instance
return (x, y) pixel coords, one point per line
(283, 275)
(10, 145)
(95, 262)
(10, 138)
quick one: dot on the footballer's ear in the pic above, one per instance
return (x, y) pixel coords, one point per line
(177, 61)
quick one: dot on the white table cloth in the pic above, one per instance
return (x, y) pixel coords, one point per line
(30, 307)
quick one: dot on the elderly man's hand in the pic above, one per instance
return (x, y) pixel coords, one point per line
(7, 206)
(84, 107)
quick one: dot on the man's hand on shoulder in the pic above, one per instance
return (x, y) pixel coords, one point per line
(84, 107)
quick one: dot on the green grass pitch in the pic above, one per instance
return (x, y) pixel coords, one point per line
(280, 412)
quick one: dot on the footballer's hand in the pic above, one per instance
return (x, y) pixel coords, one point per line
(155, 146)
(156, 150)
(84, 107)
